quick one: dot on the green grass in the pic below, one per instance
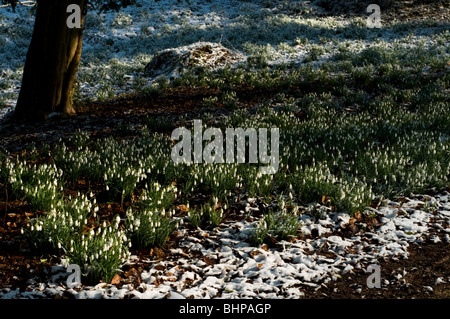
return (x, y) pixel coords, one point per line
(275, 227)
(208, 215)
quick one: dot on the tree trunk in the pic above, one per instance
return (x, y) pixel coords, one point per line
(52, 61)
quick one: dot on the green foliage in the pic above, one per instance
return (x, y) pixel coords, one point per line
(275, 226)
(54, 230)
(37, 184)
(100, 253)
(149, 223)
(148, 228)
(210, 214)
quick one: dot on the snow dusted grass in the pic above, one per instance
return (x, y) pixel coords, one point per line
(118, 45)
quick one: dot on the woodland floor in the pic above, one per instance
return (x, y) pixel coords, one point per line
(426, 261)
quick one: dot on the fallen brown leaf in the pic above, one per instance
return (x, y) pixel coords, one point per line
(209, 261)
(183, 208)
(159, 267)
(116, 280)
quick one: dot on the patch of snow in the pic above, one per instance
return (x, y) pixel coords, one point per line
(240, 270)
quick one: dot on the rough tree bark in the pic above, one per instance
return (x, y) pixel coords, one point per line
(51, 64)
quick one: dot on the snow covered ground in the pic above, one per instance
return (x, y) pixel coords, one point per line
(222, 264)
(117, 45)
